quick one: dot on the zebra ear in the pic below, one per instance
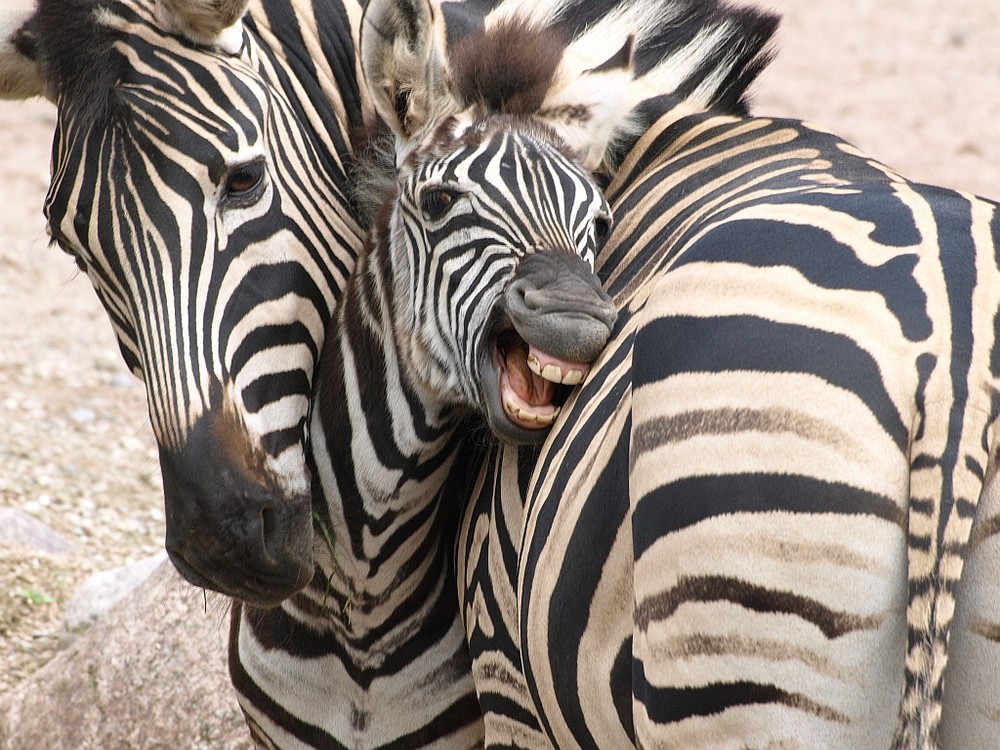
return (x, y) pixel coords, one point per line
(401, 57)
(213, 23)
(20, 73)
(591, 108)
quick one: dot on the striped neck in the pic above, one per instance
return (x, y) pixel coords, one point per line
(383, 450)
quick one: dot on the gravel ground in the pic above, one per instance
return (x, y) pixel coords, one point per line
(76, 451)
(914, 82)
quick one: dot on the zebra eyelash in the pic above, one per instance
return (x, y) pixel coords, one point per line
(436, 201)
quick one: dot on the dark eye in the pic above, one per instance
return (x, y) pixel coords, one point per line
(435, 202)
(244, 179)
(602, 228)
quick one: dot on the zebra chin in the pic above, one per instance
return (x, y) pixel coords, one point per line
(553, 321)
(231, 528)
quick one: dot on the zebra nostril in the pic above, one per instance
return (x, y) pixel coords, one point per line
(269, 522)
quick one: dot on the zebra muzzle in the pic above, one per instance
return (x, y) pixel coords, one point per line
(528, 380)
(556, 320)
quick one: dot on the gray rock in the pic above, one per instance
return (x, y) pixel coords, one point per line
(151, 673)
(101, 591)
(17, 527)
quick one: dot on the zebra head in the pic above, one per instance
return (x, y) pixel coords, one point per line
(494, 220)
(207, 216)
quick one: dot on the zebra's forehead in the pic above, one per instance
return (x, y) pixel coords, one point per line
(459, 139)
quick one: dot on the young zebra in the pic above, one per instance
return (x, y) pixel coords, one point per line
(475, 288)
(769, 517)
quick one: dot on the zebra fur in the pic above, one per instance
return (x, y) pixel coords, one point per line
(750, 526)
(388, 664)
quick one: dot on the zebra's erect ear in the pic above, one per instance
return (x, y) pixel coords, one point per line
(402, 61)
(591, 108)
(20, 73)
(213, 23)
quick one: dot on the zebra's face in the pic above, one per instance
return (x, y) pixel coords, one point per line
(204, 213)
(493, 240)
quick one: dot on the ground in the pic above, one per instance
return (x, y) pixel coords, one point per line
(915, 83)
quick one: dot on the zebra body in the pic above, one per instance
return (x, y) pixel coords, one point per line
(753, 524)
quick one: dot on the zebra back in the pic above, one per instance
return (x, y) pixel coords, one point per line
(750, 526)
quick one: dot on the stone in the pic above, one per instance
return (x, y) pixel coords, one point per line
(101, 591)
(18, 528)
(151, 673)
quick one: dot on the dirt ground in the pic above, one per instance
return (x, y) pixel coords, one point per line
(915, 83)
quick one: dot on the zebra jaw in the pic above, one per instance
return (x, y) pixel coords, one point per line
(527, 378)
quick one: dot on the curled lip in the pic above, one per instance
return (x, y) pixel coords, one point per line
(531, 384)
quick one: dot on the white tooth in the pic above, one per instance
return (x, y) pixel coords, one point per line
(552, 373)
(573, 377)
(534, 365)
(512, 408)
(547, 419)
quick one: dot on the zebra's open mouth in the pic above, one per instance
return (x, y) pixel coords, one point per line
(532, 384)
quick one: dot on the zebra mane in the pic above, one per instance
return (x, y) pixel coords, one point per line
(526, 56)
(373, 171)
(706, 53)
(74, 51)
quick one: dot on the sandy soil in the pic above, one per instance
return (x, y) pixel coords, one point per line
(916, 83)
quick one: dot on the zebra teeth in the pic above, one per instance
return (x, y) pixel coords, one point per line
(546, 419)
(519, 413)
(552, 373)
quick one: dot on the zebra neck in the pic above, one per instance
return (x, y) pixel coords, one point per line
(382, 453)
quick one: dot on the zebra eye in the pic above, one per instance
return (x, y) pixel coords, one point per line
(243, 181)
(602, 228)
(435, 202)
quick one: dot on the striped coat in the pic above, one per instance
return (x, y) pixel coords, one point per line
(766, 518)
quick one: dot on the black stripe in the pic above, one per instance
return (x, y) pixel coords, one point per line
(825, 262)
(670, 705)
(750, 596)
(953, 214)
(684, 344)
(685, 502)
(582, 563)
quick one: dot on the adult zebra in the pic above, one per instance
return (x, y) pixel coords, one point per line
(199, 179)
(768, 518)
